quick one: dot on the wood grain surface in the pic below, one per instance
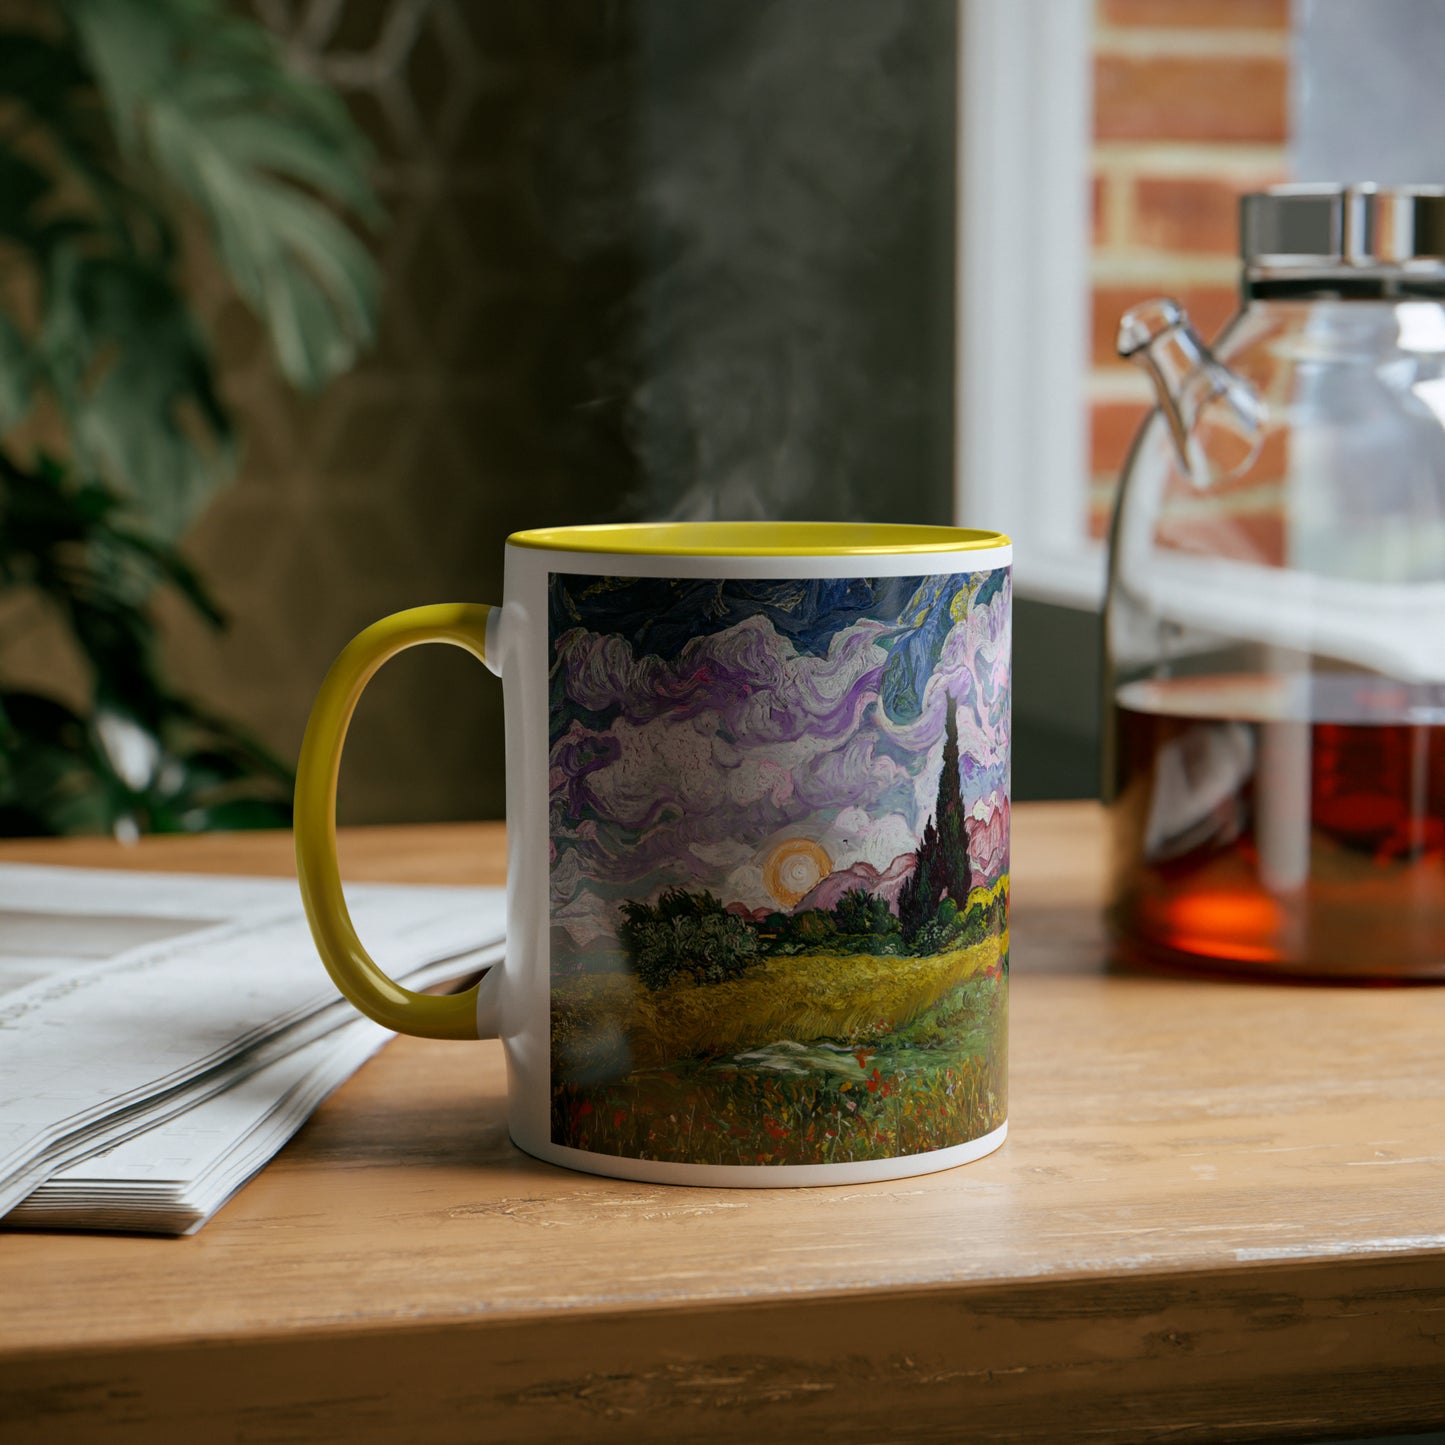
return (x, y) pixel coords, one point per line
(1220, 1214)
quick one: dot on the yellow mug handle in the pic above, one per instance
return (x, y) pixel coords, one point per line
(452, 1016)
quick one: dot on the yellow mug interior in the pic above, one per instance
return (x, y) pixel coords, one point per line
(757, 539)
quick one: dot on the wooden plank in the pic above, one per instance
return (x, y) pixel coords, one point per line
(1285, 1352)
(1221, 1206)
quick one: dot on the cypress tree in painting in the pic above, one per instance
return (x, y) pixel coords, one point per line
(918, 897)
(942, 869)
(954, 876)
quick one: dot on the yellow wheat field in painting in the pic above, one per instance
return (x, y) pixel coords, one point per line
(985, 896)
(802, 998)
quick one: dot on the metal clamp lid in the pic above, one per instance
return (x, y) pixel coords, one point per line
(1328, 227)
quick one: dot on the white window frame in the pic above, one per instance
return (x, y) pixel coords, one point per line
(1025, 135)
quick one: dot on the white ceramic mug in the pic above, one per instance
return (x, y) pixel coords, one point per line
(757, 847)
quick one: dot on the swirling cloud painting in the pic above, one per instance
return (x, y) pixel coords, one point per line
(753, 778)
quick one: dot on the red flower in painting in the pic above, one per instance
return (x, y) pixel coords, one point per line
(775, 1129)
(583, 1109)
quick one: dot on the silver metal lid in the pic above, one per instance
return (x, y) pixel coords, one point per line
(1332, 227)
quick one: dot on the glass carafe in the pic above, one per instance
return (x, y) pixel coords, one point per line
(1275, 627)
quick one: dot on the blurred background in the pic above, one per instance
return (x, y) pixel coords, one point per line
(628, 259)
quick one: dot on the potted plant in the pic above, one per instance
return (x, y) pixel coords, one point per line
(131, 130)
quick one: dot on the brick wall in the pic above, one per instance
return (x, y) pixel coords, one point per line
(1190, 110)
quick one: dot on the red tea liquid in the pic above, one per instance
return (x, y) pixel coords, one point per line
(1282, 825)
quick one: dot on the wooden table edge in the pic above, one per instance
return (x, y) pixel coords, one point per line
(1344, 1341)
(1237, 1279)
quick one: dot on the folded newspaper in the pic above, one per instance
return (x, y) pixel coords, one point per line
(162, 1035)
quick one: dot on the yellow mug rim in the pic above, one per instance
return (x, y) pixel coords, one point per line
(757, 539)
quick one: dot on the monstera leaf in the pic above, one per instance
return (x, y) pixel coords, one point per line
(156, 108)
(203, 99)
(131, 368)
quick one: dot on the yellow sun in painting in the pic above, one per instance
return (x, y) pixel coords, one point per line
(792, 867)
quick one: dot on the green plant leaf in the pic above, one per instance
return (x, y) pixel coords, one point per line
(72, 544)
(134, 378)
(206, 100)
(170, 566)
(57, 775)
(39, 73)
(22, 187)
(51, 779)
(17, 373)
(55, 95)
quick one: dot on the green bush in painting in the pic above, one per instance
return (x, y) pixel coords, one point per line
(686, 936)
(862, 914)
(949, 928)
(812, 928)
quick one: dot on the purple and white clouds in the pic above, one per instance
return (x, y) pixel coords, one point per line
(740, 741)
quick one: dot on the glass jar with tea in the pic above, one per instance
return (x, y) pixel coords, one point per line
(1275, 625)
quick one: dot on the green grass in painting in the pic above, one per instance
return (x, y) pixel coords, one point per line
(826, 1059)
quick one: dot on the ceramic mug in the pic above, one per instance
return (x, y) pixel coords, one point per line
(757, 847)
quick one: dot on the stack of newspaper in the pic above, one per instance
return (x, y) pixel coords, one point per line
(161, 1036)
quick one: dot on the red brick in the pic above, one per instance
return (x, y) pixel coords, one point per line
(1209, 307)
(1246, 537)
(1112, 428)
(1096, 207)
(1269, 468)
(1256, 488)
(1188, 213)
(1198, 14)
(1190, 98)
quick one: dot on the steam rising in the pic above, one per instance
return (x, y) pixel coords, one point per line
(779, 173)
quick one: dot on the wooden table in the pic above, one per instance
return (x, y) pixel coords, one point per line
(1220, 1214)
